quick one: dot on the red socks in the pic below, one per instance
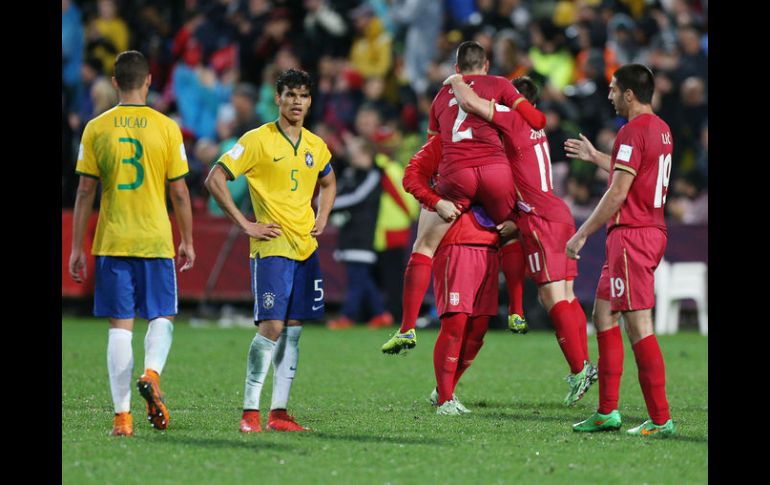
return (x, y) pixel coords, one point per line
(580, 318)
(416, 282)
(567, 334)
(512, 263)
(652, 378)
(472, 342)
(610, 368)
(446, 354)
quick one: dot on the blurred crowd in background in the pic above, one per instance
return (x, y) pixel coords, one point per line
(377, 64)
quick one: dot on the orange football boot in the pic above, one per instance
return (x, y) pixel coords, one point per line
(123, 424)
(279, 420)
(149, 388)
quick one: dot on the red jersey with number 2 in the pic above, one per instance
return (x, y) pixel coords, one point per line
(643, 148)
(530, 158)
(468, 140)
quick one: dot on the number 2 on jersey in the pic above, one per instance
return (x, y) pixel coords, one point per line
(458, 135)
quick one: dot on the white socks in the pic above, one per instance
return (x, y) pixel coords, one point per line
(157, 343)
(257, 364)
(120, 363)
(285, 359)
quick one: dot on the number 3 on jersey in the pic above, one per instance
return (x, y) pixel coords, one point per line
(135, 162)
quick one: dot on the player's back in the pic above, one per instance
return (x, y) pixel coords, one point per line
(467, 139)
(133, 150)
(530, 157)
(643, 147)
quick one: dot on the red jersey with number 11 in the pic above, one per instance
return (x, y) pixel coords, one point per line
(643, 148)
(530, 158)
(468, 140)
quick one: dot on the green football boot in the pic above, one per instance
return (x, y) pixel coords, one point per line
(517, 324)
(434, 401)
(579, 383)
(648, 428)
(599, 422)
(400, 341)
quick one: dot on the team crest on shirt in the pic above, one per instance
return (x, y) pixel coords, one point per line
(268, 300)
(454, 298)
(308, 159)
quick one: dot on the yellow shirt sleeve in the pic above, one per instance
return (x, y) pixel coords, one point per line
(86, 164)
(177, 162)
(242, 156)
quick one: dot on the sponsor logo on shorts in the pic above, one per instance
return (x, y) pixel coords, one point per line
(268, 300)
(454, 298)
(318, 307)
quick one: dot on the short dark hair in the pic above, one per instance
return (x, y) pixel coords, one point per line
(639, 79)
(131, 69)
(293, 78)
(471, 56)
(527, 88)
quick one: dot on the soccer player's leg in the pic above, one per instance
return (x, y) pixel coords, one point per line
(114, 299)
(610, 361)
(305, 303)
(271, 282)
(580, 316)
(642, 251)
(446, 356)
(513, 265)
(431, 229)
(156, 293)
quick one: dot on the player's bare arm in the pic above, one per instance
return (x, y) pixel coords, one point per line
(180, 199)
(326, 198)
(216, 184)
(84, 204)
(609, 205)
(583, 149)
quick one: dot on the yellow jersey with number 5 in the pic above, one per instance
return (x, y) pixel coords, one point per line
(282, 177)
(133, 150)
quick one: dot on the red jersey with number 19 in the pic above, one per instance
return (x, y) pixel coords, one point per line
(468, 140)
(530, 158)
(643, 148)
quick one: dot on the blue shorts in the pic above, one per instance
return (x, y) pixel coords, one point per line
(126, 285)
(286, 289)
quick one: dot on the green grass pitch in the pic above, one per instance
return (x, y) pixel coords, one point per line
(371, 415)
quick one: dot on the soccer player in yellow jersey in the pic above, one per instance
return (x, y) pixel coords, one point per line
(282, 162)
(133, 151)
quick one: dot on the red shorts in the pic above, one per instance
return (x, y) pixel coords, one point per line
(489, 185)
(628, 274)
(545, 248)
(465, 280)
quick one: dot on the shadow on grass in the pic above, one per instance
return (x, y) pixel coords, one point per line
(220, 443)
(358, 438)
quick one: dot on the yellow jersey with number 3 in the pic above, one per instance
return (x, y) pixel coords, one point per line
(133, 150)
(282, 177)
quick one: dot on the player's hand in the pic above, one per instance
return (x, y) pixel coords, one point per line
(262, 232)
(447, 210)
(78, 264)
(319, 226)
(506, 229)
(574, 245)
(581, 149)
(186, 255)
(453, 77)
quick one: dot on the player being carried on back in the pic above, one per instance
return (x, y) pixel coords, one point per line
(545, 224)
(473, 169)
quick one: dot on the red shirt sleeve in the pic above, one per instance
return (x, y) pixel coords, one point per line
(630, 145)
(420, 169)
(509, 94)
(533, 116)
(433, 118)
